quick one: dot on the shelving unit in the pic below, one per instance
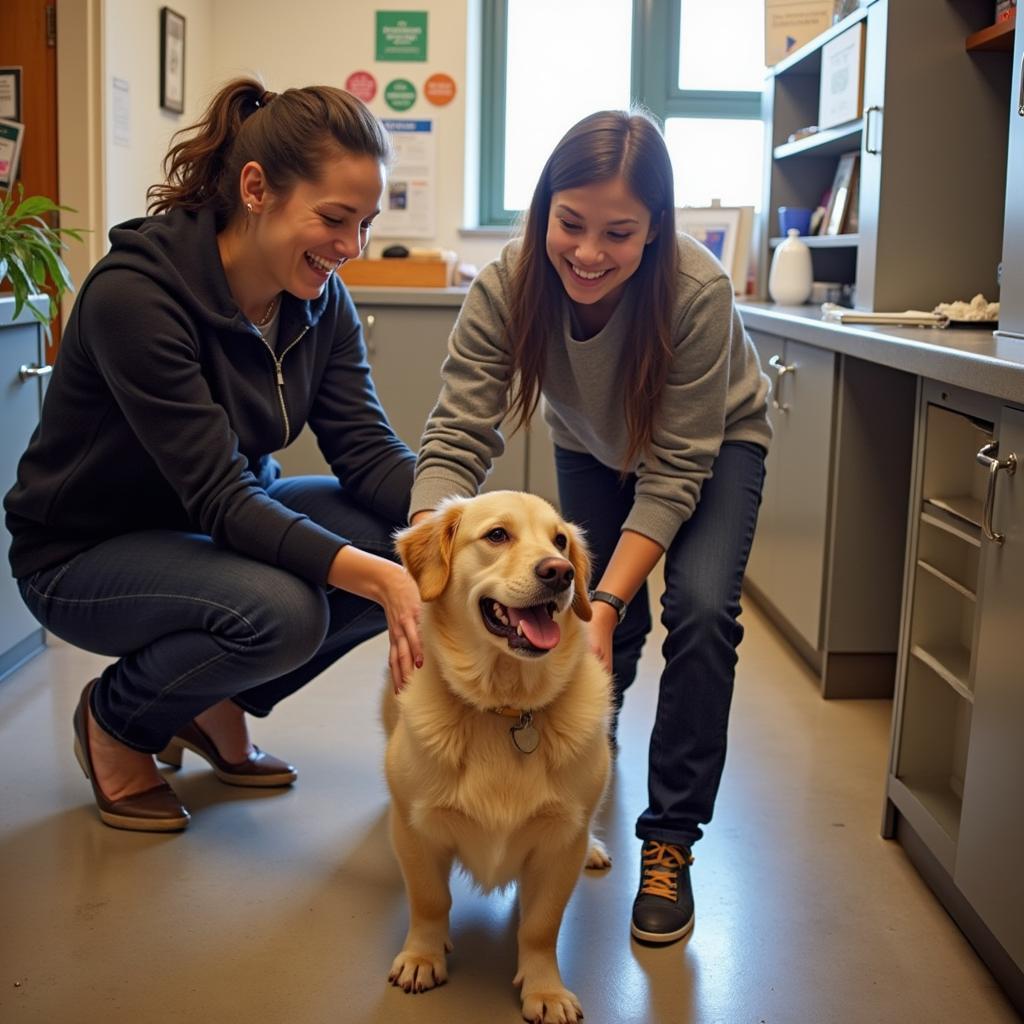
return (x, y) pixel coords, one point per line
(939, 692)
(913, 161)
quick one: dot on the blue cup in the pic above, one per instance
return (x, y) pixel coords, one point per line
(794, 217)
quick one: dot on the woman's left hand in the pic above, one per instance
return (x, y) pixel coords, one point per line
(602, 630)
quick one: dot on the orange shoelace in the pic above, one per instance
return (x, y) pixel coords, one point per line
(661, 864)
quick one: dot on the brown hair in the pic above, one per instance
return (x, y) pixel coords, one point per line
(288, 134)
(598, 148)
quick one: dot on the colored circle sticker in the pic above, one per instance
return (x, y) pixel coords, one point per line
(400, 94)
(439, 89)
(362, 84)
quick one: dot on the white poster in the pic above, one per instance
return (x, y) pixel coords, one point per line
(410, 198)
(122, 112)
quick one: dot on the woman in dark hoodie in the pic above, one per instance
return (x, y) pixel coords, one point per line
(148, 519)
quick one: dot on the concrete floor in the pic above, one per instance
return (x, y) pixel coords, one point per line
(287, 907)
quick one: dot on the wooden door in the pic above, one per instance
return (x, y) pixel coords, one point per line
(29, 41)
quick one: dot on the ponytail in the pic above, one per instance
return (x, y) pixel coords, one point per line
(288, 134)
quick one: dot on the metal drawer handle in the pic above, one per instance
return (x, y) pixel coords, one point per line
(781, 369)
(27, 371)
(1020, 97)
(868, 147)
(987, 457)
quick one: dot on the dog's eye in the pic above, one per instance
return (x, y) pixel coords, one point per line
(498, 535)
(561, 541)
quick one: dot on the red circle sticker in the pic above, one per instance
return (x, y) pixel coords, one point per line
(362, 84)
(439, 89)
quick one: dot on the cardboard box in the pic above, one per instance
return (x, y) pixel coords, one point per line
(397, 273)
(788, 24)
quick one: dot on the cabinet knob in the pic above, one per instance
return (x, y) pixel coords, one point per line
(28, 371)
(988, 457)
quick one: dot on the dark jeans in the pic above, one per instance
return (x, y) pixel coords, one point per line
(192, 623)
(704, 568)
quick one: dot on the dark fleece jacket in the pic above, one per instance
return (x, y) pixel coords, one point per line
(165, 403)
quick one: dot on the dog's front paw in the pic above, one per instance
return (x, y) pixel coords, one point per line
(598, 857)
(556, 1006)
(418, 972)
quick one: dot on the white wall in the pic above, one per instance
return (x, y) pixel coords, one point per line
(304, 42)
(131, 51)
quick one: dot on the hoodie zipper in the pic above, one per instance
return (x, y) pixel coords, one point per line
(279, 372)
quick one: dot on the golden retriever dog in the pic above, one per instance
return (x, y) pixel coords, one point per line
(498, 752)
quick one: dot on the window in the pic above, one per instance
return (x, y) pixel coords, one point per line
(697, 65)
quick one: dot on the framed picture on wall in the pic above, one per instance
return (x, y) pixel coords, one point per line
(172, 60)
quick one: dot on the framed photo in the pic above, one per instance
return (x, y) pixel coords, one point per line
(841, 92)
(839, 214)
(172, 60)
(726, 231)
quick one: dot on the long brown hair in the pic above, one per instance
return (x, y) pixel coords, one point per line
(288, 134)
(602, 146)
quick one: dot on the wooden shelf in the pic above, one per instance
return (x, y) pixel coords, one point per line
(830, 142)
(995, 37)
(823, 241)
(952, 526)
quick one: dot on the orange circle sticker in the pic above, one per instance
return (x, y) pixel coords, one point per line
(439, 89)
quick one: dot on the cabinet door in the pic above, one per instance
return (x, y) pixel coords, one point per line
(1011, 293)
(19, 345)
(407, 345)
(788, 561)
(988, 858)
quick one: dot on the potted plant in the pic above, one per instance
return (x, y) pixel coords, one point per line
(30, 251)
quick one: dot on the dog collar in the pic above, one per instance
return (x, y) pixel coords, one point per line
(525, 737)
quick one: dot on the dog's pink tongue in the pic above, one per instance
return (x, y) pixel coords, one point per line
(538, 627)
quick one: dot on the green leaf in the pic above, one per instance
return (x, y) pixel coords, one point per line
(35, 205)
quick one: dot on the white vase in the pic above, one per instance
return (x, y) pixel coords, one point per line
(791, 279)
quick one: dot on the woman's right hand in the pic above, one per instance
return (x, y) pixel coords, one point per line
(387, 583)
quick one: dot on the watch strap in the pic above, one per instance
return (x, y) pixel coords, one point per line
(617, 603)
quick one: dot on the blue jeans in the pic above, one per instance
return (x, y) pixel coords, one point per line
(704, 568)
(192, 623)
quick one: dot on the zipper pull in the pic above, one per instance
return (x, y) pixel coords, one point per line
(280, 376)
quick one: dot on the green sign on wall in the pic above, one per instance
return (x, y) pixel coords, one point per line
(401, 35)
(400, 94)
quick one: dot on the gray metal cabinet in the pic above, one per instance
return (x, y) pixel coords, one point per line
(988, 855)
(406, 344)
(787, 563)
(1011, 297)
(21, 351)
(827, 557)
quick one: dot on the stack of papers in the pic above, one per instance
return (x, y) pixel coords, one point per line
(908, 318)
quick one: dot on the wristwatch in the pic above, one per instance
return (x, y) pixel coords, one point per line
(617, 603)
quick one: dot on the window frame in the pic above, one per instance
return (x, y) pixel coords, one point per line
(654, 82)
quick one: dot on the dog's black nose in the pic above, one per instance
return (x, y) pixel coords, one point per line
(556, 573)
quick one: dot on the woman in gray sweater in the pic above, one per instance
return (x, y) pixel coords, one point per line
(657, 408)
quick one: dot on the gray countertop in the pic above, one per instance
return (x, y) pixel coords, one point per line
(974, 359)
(364, 295)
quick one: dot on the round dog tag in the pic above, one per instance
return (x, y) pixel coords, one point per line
(524, 735)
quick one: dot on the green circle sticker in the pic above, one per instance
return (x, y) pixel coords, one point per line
(400, 94)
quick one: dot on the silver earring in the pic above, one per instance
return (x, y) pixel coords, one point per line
(248, 206)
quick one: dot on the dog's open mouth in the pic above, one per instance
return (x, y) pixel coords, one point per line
(530, 630)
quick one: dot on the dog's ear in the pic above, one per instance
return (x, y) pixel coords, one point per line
(426, 549)
(580, 558)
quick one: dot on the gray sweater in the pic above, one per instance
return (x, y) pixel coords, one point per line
(715, 392)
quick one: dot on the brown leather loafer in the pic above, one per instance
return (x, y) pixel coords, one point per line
(258, 769)
(153, 810)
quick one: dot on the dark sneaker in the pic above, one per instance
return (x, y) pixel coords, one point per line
(663, 908)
